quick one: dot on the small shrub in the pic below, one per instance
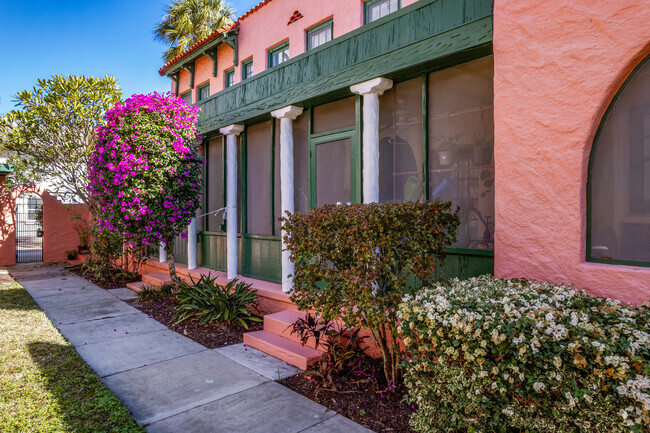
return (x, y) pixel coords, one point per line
(152, 293)
(512, 355)
(209, 301)
(343, 352)
(354, 263)
(71, 254)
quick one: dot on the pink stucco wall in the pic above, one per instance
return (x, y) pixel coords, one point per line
(58, 225)
(269, 26)
(558, 65)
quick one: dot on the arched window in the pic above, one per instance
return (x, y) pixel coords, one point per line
(619, 177)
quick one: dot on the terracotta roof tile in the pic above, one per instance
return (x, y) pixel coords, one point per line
(197, 45)
(212, 36)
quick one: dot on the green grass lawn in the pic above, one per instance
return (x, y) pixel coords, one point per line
(45, 386)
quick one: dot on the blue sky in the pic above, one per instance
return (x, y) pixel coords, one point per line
(41, 38)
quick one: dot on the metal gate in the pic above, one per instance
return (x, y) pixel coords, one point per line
(29, 229)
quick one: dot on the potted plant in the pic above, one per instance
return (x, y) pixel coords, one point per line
(38, 217)
(482, 150)
(83, 231)
(447, 151)
(71, 254)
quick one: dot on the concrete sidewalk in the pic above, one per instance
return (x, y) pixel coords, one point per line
(169, 382)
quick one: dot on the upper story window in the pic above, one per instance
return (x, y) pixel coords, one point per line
(247, 69)
(320, 34)
(187, 97)
(619, 177)
(204, 91)
(375, 9)
(229, 77)
(279, 54)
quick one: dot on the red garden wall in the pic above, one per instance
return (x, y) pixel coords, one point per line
(59, 233)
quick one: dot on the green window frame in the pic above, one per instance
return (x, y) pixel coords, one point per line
(278, 54)
(323, 30)
(229, 77)
(247, 69)
(371, 4)
(203, 91)
(187, 97)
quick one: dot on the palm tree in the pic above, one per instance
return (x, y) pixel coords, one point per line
(189, 21)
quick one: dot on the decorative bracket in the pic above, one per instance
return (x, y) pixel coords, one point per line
(189, 67)
(212, 54)
(174, 77)
(232, 40)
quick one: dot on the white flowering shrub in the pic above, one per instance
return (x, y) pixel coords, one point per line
(491, 355)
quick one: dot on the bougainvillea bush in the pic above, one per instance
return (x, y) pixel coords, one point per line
(513, 355)
(145, 171)
(354, 263)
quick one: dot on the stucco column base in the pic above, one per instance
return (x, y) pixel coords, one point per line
(371, 90)
(286, 115)
(231, 132)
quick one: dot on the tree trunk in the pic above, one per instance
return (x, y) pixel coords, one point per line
(169, 248)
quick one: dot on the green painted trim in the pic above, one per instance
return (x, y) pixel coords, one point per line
(211, 53)
(261, 237)
(461, 30)
(469, 252)
(191, 68)
(230, 38)
(620, 262)
(175, 77)
(211, 233)
(206, 180)
(273, 126)
(425, 137)
(272, 51)
(226, 77)
(329, 23)
(224, 177)
(334, 131)
(201, 87)
(369, 3)
(590, 169)
(244, 65)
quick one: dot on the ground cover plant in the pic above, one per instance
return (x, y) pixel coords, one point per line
(354, 263)
(145, 172)
(45, 385)
(513, 355)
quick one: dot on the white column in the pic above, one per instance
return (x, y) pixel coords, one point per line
(286, 115)
(231, 132)
(162, 254)
(191, 244)
(371, 90)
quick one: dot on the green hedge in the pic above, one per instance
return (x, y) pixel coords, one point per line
(512, 355)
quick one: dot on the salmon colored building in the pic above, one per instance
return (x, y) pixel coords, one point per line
(533, 117)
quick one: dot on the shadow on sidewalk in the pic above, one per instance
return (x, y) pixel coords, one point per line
(86, 405)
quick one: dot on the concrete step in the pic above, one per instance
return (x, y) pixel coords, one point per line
(282, 348)
(156, 279)
(136, 287)
(281, 324)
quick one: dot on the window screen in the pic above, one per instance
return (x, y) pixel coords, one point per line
(620, 176)
(279, 55)
(335, 115)
(258, 171)
(301, 163)
(333, 172)
(187, 97)
(215, 186)
(400, 142)
(461, 147)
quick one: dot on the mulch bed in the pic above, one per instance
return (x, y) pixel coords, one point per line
(360, 398)
(114, 283)
(210, 335)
